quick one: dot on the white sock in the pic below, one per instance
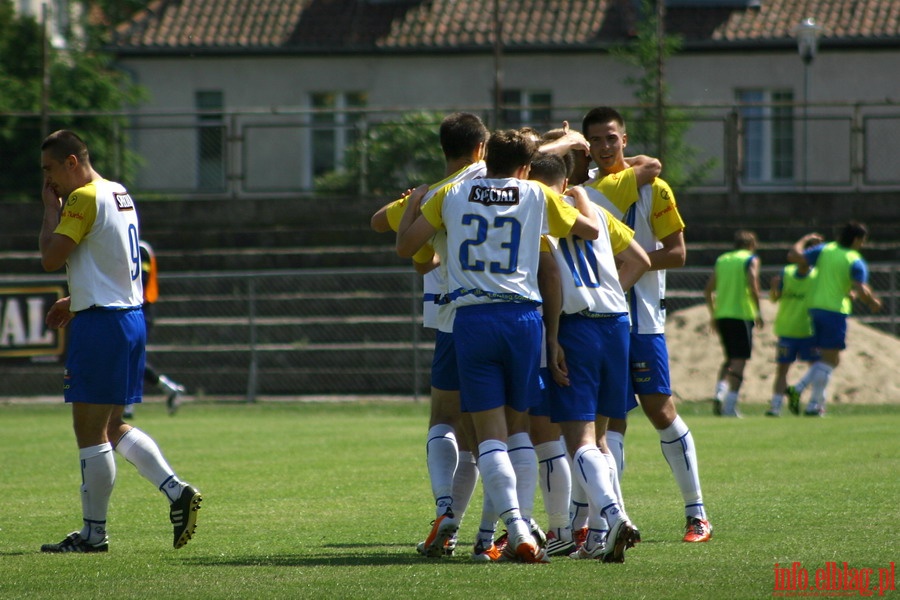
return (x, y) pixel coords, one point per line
(777, 401)
(488, 524)
(616, 442)
(555, 481)
(721, 390)
(591, 470)
(820, 380)
(580, 507)
(139, 449)
(805, 380)
(614, 478)
(464, 481)
(98, 475)
(677, 445)
(524, 463)
(442, 456)
(729, 409)
(499, 481)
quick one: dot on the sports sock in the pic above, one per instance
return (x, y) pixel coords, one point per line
(578, 511)
(614, 478)
(524, 463)
(555, 482)
(721, 390)
(678, 449)
(591, 470)
(139, 449)
(806, 379)
(499, 482)
(819, 382)
(98, 475)
(777, 401)
(730, 407)
(464, 481)
(442, 456)
(616, 443)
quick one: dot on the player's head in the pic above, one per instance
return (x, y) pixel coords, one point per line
(568, 157)
(462, 135)
(531, 132)
(604, 129)
(508, 150)
(64, 161)
(853, 235)
(744, 240)
(549, 169)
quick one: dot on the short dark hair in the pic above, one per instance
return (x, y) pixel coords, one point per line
(64, 143)
(507, 151)
(601, 114)
(461, 133)
(850, 232)
(744, 239)
(549, 169)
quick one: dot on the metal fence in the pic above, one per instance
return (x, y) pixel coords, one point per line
(324, 332)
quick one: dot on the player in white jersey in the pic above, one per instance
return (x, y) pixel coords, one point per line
(451, 465)
(590, 383)
(646, 204)
(90, 226)
(494, 227)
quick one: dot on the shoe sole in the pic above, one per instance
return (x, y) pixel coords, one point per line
(191, 524)
(435, 548)
(624, 536)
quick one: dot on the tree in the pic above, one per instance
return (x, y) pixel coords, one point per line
(389, 157)
(656, 125)
(85, 95)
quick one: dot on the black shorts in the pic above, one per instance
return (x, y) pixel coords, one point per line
(736, 336)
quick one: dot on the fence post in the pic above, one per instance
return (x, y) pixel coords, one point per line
(254, 361)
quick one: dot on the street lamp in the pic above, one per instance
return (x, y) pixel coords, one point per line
(807, 33)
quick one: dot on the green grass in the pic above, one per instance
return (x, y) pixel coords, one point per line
(328, 501)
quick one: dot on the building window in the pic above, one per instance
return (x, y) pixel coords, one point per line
(527, 109)
(334, 128)
(210, 141)
(767, 142)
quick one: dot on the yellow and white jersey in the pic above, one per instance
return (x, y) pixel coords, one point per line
(652, 213)
(104, 269)
(590, 281)
(494, 229)
(434, 283)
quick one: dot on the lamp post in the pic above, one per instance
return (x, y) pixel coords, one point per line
(807, 45)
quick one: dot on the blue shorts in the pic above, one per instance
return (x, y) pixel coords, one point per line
(597, 358)
(829, 329)
(789, 350)
(444, 374)
(498, 352)
(649, 358)
(542, 408)
(105, 363)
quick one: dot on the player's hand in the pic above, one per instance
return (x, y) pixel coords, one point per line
(49, 197)
(59, 314)
(556, 363)
(875, 304)
(415, 197)
(576, 140)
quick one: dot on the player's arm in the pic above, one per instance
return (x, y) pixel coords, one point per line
(646, 168)
(633, 263)
(859, 277)
(55, 248)
(797, 253)
(571, 140)
(59, 314)
(381, 220)
(672, 255)
(425, 267)
(414, 229)
(775, 288)
(550, 285)
(753, 286)
(709, 292)
(587, 226)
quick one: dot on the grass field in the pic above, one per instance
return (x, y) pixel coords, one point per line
(328, 501)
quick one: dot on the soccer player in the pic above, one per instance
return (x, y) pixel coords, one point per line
(494, 226)
(632, 191)
(90, 225)
(732, 296)
(451, 467)
(794, 330)
(590, 383)
(841, 271)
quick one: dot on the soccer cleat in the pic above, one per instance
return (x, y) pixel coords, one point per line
(524, 550)
(814, 410)
(173, 391)
(621, 534)
(75, 543)
(772, 413)
(482, 554)
(793, 399)
(128, 413)
(635, 537)
(450, 546)
(501, 541)
(594, 554)
(717, 407)
(183, 515)
(442, 529)
(540, 538)
(697, 530)
(579, 536)
(557, 546)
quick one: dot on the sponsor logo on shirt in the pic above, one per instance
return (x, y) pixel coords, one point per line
(124, 202)
(489, 196)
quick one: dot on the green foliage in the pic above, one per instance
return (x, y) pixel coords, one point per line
(322, 500)
(655, 125)
(81, 81)
(394, 155)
